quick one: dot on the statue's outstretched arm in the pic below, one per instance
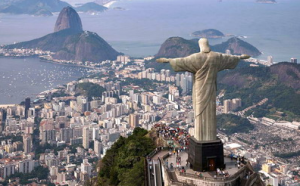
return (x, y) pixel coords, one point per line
(163, 60)
(244, 56)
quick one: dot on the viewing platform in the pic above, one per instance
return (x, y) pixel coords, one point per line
(163, 168)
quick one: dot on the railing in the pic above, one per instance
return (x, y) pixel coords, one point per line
(157, 150)
(217, 179)
(173, 182)
(177, 172)
(251, 179)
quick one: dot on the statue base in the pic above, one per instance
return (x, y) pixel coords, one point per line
(206, 155)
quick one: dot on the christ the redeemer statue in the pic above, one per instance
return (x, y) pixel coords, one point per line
(204, 65)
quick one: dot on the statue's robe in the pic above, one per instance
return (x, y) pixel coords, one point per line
(205, 67)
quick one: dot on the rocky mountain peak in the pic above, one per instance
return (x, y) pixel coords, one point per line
(68, 19)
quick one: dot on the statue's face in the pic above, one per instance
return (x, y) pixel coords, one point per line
(204, 46)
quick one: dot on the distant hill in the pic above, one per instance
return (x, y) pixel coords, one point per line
(32, 7)
(70, 42)
(230, 124)
(279, 83)
(91, 7)
(179, 47)
(266, 1)
(208, 33)
(237, 47)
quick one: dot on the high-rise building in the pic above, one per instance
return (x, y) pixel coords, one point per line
(97, 147)
(95, 104)
(47, 136)
(293, 60)
(183, 83)
(156, 99)
(189, 78)
(26, 166)
(96, 135)
(230, 105)
(27, 106)
(177, 79)
(2, 115)
(18, 146)
(145, 99)
(7, 170)
(270, 59)
(266, 167)
(71, 87)
(86, 167)
(167, 73)
(86, 137)
(31, 113)
(133, 120)
(123, 59)
(27, 141)
(82, 104)
(227, 105)
(237, 102)
(66, 134)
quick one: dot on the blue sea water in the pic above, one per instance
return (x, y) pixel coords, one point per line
(144, 25)
(26, 77)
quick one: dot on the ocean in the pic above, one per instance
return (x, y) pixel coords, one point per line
(143, 25)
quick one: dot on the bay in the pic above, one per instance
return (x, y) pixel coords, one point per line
(27, 77)
(144, 25)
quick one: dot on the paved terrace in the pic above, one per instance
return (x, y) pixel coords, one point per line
(231, 166)
(243, 175)
(178, 177)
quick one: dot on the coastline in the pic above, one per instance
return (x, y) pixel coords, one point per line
(61, 63)
(34, 94)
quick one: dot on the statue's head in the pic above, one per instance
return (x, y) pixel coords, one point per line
(204, 46)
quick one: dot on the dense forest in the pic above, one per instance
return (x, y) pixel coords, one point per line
(123, 163)
(230, 124)
(279, 83)
(91, 90)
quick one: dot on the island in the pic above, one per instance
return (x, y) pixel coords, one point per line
(208, 33)
(91, 7)
(266, 1)
(44, 7)
(36, 7)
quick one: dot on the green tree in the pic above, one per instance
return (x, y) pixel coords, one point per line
(123, 164)
(91, 90)
(230, 124)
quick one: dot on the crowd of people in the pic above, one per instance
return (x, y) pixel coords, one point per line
(178, 140)
(179, 137)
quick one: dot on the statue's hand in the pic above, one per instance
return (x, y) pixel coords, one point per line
(244, 56)
(162, 60)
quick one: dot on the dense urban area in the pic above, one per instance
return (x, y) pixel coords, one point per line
(59, 137)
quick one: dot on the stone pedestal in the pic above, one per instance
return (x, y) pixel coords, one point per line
(206, 155)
